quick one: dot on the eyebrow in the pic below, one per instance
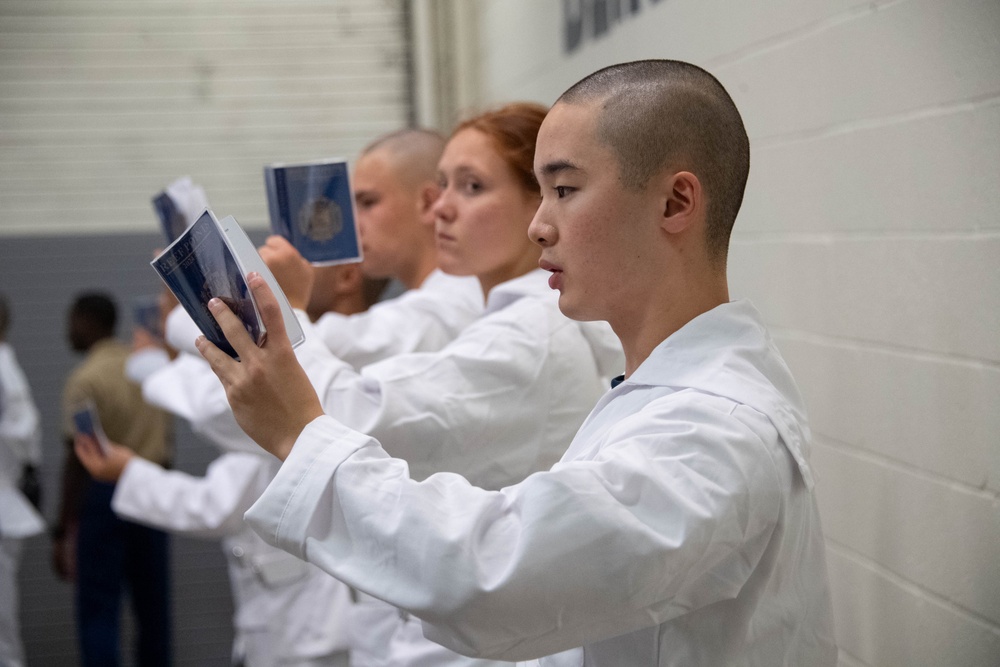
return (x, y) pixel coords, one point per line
(557, 167)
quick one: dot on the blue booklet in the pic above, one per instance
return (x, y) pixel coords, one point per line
(311, 205)
(172, 219)
(146, 313)
(86, 422)
(212, 259)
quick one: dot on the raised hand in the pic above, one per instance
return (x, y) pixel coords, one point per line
(103, 465)
(294, 274)
(271, 396)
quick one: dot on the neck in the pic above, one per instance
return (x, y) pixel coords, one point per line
(523, 265)
(642, 330)
(351, 304)
(415, 274)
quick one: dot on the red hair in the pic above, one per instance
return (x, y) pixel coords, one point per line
(513, 129)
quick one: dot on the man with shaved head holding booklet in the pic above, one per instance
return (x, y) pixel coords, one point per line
(680, 527)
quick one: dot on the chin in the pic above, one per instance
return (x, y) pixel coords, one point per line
(574, 310)
(453, 268)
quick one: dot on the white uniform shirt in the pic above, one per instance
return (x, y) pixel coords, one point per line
(423, 319)
(489, 406)
(500, 386)
(287, 612)
(680, 527)
(492, 404)
(20, 443)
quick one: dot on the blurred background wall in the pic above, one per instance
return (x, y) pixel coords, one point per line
(102, 104)
(869, 237)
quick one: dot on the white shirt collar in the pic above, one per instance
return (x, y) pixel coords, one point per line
(729, 352)
(533, 283)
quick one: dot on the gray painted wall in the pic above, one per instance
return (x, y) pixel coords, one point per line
(40, 276)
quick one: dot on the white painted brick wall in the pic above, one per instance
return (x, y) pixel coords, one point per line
(870, 239)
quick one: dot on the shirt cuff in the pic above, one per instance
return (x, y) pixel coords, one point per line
(283, 513)
(133, 487)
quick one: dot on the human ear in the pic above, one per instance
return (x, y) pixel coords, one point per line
(683, 201)
(348, 278)
(428, 194)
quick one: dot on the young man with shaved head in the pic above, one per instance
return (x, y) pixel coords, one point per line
(680, 527)
(395, 185)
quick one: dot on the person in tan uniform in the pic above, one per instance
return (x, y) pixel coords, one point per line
(102, 554)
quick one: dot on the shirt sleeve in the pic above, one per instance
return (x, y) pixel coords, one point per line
(208, 506)
(671, 515)
(20, 428)
(419, 320)
(492, 405)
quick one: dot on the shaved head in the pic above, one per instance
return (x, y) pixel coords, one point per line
(395, 185)
(666, 114)
(414, 154)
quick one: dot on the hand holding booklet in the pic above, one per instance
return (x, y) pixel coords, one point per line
(311, 205)
(86, 422)
(212, 258)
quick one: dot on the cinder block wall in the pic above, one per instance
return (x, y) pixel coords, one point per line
(870, 239)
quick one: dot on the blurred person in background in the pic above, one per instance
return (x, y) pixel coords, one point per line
(394, 185)
(20, 455)
(287, 612)
(103, 555)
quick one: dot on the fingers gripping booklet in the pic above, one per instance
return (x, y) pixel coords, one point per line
(212, 259)
(86, 422)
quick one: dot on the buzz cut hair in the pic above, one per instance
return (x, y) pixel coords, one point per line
(660, 114)
(414, 153)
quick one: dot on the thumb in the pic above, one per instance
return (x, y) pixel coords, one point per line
(270, 311)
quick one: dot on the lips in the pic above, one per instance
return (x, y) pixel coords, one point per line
(555, 280)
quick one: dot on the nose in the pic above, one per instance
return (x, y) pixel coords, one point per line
(540, 231)
(443, 209)
(361, 217)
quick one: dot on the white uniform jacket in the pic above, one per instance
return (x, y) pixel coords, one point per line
(680, 527)
(501, 401)
(423, 319)
(20, 443)
(287, 612)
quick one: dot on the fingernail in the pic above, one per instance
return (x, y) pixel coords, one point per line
(214, 303)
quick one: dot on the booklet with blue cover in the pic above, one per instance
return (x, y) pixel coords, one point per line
(311, 205)
(86, 422)
(146, 314)
(172, 219)
(179, 205)
(212, 259)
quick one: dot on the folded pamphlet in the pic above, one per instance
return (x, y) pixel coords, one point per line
(311, 205)
(86, 422)
(178, 206)
(210, 259)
